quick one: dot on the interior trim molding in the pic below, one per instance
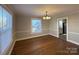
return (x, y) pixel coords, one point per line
(73, 42)
(8, 49)
(12, 47)
(39, 36)
(68, 38)
(22, 39)
(21, 31)
(74, 33)
(30, 37)
(58, 26)
(73, 37)
(52, 34)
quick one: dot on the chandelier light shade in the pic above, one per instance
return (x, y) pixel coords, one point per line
(46, 17)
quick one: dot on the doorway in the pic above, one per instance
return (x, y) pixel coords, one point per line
(62, 28)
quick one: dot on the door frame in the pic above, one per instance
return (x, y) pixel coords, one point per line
(66, 26)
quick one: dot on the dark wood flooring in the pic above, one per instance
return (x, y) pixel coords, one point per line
(45, 45)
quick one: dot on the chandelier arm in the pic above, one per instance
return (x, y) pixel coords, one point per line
(46, 13)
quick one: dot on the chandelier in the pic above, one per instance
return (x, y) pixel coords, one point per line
(46, 17)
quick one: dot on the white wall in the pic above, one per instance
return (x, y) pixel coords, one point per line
(73, 27)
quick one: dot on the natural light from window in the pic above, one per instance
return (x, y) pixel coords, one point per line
(0, 22)
(5, 29)
(36, 25)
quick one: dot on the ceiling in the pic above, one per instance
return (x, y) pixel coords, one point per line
(39, 9)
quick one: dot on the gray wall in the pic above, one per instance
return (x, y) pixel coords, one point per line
(23, 27)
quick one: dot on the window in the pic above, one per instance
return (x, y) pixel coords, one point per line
(36, 25)
(5, 29)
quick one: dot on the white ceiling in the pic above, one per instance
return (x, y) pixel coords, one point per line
(39, 9)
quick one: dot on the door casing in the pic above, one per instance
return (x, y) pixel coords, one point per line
(66, 26)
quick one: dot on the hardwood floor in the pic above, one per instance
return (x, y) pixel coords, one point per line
(44, 45)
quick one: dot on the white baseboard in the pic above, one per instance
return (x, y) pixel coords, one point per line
(70, 39)
(38, 36)
(30, 37)
(73, 37)
(52, 34)
(11, 48)
(73, 42)
(8, 49)
(22, 39)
